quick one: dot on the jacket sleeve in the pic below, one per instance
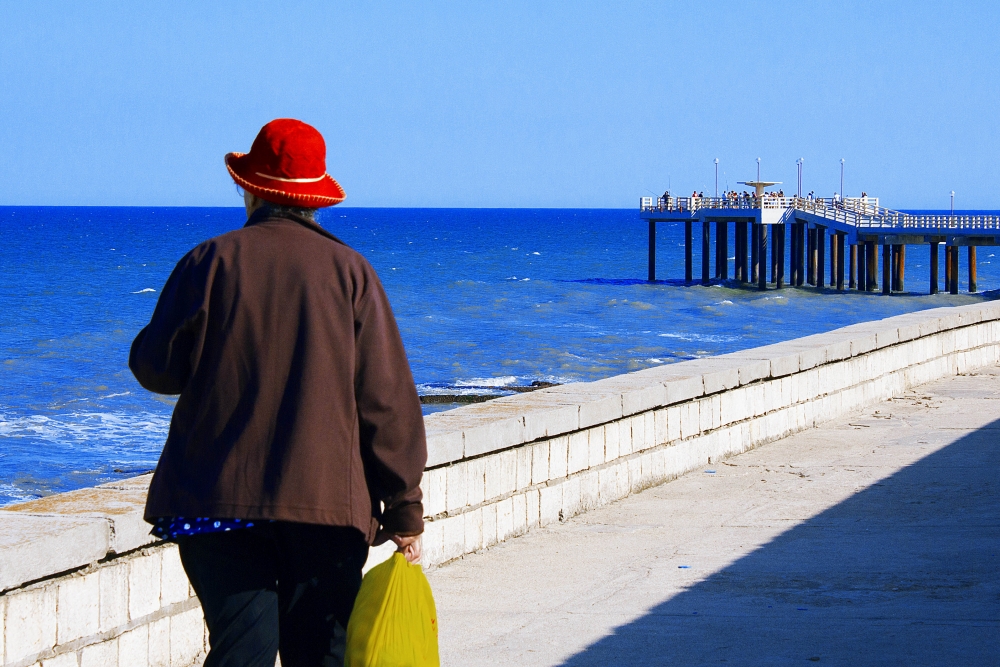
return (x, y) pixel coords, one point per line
(393, 445)
(166, 351)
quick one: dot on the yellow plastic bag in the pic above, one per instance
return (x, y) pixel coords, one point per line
(394, 623)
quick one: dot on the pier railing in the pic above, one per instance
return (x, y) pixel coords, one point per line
(861, 212)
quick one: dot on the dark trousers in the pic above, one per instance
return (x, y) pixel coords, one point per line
(276, 587)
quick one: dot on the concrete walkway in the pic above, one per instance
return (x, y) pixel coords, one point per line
(873, 539)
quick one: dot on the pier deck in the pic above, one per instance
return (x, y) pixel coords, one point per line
(855, 226)
(871, 539)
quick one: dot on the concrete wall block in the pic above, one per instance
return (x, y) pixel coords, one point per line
(785, 364)
(571, 497)
(640, 398)
(505, 519)
(144, 584)
(3, 624)
(658, 460)
(886, 337)
(607, 483)
(590, 490)
(431, 543)
(133, 647)
(637, 428)
(113, 583)
(473, 530)
(174, 584)
(104, 654)
(621, 480)
(673, 423)
(551, 419)
(495, 476)
(596, 447)
(578, 452)
(772, 397)
(64, 660)
(660, 427)
(596, 404)
(35, 546)
(680, 389)
(540, 463)
(187, 637)
(690, 419)
(520, 503)
(550, 503)
(948, 341)
(634, 474)
(626, 443)
(752, 370)
(489, 525)
(648, 430)
(78, 607)
(453, 536)
(733, 406)
(435, 487)
(862, 343)
(558, 457)
(612, 439)
(524, 456)
(721, 378)
(457, 486)
(532, 499)
(475, 479)
(30, 622)
(158, 641)
(488, 433)
(443, 445)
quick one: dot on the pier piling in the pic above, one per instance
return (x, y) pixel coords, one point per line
(862, 267)
(688, 252)
(934, 267)
(972, 269)
(762, 258)
(953, 274)
(820, 259)
(779, 242)
(853, 267)
(651, 274)
(871, 256)
(834, 259)
(840, 263)
(947, 268)
(754, 252)
(887, 268)
(706, 248)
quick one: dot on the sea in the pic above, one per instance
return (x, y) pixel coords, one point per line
(486, 300)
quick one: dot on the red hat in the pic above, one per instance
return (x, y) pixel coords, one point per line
(286, 165)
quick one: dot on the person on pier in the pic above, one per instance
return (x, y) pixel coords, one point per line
(297, 440)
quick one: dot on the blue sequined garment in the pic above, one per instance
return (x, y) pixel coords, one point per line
(167, 527)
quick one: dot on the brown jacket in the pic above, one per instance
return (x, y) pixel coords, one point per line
(296, 398)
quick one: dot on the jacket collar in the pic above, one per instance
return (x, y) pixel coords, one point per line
(267, 214)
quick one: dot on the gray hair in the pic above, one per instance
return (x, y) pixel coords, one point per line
(279, 209)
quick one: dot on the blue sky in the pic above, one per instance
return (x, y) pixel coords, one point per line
(502, 104)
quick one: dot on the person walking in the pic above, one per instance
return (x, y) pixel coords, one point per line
(297, 439)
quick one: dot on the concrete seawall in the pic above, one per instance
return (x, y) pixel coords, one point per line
(81, 583)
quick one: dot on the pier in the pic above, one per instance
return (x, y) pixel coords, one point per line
(835, 242)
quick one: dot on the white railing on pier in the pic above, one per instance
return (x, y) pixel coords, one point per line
(861, 212)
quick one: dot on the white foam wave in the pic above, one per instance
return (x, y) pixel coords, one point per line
(88, 426)
(700, 338)
(143, 291)
(504, 381)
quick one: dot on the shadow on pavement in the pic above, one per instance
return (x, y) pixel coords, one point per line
(905, 572)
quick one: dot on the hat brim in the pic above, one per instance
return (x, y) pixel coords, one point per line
(318, 194)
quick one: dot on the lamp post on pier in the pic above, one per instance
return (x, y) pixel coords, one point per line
(952, 205)
(758, 169)
(716, 177)
(842, 178)
(799, 164)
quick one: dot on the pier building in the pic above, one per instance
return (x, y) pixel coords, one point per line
(842, 236)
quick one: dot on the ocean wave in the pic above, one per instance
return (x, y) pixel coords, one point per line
(87, 426)
(699, 338)
(144, 291)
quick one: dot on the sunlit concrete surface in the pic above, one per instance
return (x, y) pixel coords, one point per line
(873, 539)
